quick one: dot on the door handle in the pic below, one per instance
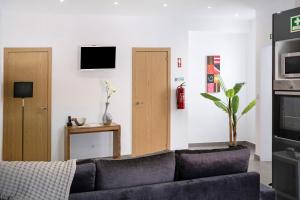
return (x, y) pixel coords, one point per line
(139, 103)
(43, 108)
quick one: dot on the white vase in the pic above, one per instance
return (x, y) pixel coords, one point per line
(107, 118)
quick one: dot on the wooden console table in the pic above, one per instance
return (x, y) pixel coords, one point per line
(94, 128)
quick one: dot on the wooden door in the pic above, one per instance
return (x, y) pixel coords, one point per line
(151, 100)
(34, 65)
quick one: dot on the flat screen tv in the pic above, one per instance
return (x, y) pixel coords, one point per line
(95, 57)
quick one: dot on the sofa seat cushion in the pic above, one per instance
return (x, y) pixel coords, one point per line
(115, 174)
(197, 164)
(84, 178)
(229, 187)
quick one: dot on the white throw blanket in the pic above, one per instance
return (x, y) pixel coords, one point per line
(36, 180)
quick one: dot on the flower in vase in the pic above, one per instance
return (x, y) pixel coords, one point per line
(110, 90)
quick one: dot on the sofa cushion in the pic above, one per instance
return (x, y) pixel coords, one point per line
(114, 174)
(84, 178)
(191, 164)
(229, 187)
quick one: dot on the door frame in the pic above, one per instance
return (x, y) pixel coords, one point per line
(49, 79)
(168, 50)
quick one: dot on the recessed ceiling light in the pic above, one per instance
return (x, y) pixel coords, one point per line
(165, 5)
(237, 15)
(209, 7)
(116, 3)
(61, 1)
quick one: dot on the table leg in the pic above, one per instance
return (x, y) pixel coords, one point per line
(67, 144)
(117, 143)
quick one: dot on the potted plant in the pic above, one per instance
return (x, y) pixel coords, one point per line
(231, 107)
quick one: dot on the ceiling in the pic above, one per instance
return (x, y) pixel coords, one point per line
(239, 9)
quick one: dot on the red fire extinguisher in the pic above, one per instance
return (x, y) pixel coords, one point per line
(180, 96)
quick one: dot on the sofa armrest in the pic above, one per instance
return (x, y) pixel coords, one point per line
(229, 187)
(267, 193)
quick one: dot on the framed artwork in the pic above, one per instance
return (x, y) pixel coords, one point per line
(213, 70)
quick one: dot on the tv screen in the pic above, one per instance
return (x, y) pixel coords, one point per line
(98, 57)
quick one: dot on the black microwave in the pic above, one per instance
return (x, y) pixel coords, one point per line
(290, 65)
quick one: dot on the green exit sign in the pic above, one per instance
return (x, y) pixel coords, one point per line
(295, 24)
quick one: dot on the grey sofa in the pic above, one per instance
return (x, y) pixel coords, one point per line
(180, 175)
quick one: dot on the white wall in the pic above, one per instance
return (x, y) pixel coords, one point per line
(199, 130)
(264, 106)
(207, 123)
(251, 81)
(80, 93)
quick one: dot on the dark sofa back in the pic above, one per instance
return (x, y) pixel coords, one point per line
(92, 174)
(84, 178)
(115, 174)
(192, 164)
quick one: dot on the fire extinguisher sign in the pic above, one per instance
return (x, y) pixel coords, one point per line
(179, 62)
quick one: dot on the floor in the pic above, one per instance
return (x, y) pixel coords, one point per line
(264, 168)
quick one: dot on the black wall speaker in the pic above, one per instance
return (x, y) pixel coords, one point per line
(23, 89)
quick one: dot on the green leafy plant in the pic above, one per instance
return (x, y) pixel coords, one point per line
(231, 107)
